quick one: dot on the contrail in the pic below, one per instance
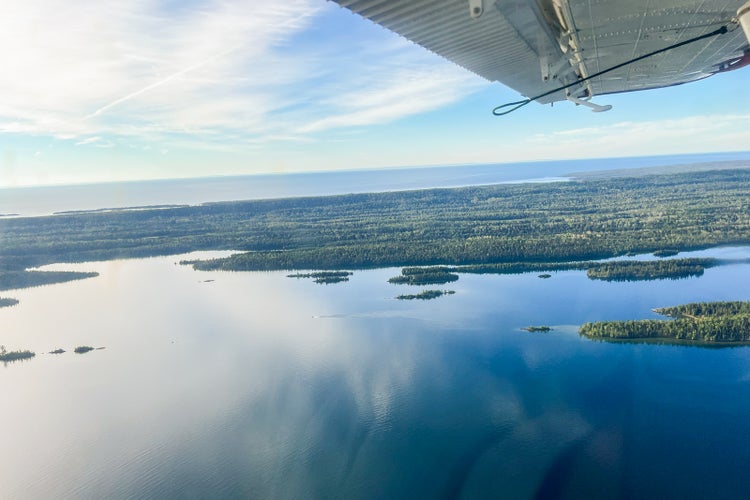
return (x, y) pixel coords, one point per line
(159, 83)
(284, 24)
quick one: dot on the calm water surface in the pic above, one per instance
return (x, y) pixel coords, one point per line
(255, 385)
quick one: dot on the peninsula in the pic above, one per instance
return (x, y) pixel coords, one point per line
(705, 322)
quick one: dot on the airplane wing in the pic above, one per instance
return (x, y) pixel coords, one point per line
(536, 46)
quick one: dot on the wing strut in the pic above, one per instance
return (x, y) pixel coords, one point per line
(498, 111)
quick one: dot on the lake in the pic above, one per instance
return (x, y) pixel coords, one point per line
(255, 385)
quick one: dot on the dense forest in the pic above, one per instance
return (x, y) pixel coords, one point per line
(424, 276)
(649, 270)
(722, 322)
(485, 225)
(615, 270)
(7, 356)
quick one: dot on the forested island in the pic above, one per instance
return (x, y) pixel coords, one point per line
(707, 322)
(324, 277)
(499, 228)
(7, 302)
(424, 276)
(532, 329)
(426, 295)
(637, 270)
(7, 356)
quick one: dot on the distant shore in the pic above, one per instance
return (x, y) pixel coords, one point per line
(433, 234)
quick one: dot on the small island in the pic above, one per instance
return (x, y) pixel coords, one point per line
(7, 356)
(83, 349)
(57, 351)
(7, 302)
(537, 329)
(424, 276)
(324, 277)
(545, 276)
(426, 295)
(704, 322)
(643, 270)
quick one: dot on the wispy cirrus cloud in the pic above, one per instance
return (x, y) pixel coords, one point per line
(204, 73)
(690, 134)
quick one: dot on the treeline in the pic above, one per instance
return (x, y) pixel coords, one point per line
(700, 309)
(426, 295)
(712, 322)
(526, 223)
(7, 356)
(7, 302)
(618, 270)
(521, 267)
(324, 277)
(424, 276)
(634, 270)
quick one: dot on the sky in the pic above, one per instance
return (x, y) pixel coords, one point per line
(141, 89)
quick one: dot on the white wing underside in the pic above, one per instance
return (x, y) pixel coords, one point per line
(535, 46)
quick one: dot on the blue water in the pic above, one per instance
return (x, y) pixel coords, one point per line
(46, 200)
(254, 385)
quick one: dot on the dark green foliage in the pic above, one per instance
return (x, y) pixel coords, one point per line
(636, 270)
(6, 356)
(82, 349)
(537, 329)
(424, 276)
(7, 302)
(23, 279)
(324, 277)
(426, 295)
(722, 322)
(667, 252)
(523, 223)
(699, 309)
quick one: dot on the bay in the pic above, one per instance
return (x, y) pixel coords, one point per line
(255, 385)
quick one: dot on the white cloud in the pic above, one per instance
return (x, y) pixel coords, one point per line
(691, 134)
(402, 92)
(202, 73)
(88, 140)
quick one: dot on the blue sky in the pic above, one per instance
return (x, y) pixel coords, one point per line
(139, 89)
